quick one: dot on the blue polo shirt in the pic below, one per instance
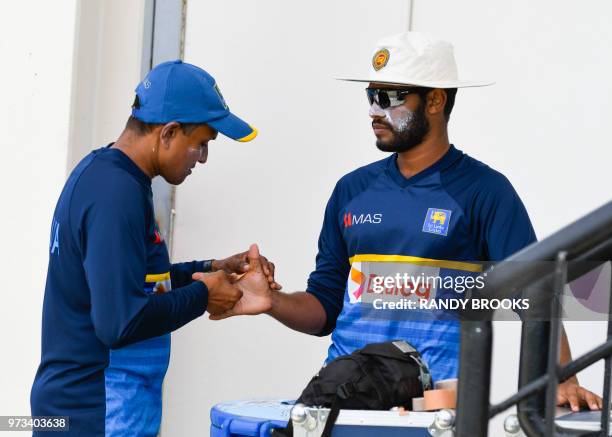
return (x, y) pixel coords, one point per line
(442, 222)
(108, 308)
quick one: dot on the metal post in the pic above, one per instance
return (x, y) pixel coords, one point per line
(605, 411)
(163, 40)
(554, 342)
(535, 334)
(474, 379)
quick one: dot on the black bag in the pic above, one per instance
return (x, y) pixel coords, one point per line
(378, 377)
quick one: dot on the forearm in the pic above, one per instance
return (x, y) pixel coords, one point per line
(164, 313)
(300, 311)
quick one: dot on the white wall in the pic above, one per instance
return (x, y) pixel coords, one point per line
(108, 64)
(542, 125)
(68, 76)
(273, 61)
(36, 47)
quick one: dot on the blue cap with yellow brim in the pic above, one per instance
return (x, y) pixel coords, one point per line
(181, 92)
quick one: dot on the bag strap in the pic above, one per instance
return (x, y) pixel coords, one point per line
(424, 374)
(283, 432)
(345, 391)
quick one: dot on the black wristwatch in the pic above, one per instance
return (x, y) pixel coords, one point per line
(207, 265)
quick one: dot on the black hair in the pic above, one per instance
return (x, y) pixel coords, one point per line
(451, 93)
(142, 128)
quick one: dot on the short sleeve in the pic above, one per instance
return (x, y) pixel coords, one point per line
(506, 227)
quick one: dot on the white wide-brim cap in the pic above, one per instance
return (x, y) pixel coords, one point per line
(412, 58)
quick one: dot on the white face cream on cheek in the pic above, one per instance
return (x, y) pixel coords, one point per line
(376, 111)
(400, 117)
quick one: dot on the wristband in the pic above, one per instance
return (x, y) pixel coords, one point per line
(207, 265)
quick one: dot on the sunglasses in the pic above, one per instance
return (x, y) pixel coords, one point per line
(388, 98)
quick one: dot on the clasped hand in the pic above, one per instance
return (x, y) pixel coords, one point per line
(239, 285)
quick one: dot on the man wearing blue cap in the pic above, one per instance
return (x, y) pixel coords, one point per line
(107, 311)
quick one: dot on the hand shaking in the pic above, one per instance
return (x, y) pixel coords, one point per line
(255, 288)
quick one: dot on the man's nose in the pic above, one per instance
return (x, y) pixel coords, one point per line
(203, 156)
(376, 111)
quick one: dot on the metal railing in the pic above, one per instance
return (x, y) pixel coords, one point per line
(555, 261)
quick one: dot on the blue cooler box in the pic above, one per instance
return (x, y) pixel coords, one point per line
(249, 418)
(257, 417)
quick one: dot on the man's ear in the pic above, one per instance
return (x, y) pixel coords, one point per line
(169, 131)
(436, 100)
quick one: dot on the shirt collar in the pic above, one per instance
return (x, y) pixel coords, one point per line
(446, 161)
(127, 164)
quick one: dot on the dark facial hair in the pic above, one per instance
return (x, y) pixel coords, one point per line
(409, 137)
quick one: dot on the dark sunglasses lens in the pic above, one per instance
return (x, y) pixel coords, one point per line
(370, 93)
(381, 97)
(383, 100)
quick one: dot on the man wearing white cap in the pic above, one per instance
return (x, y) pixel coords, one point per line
(426, 211)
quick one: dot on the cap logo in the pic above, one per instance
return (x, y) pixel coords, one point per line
(146, 83)
(380, 59)
(218, 91)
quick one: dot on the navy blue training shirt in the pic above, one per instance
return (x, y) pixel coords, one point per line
(107, 287)
(442, 222)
